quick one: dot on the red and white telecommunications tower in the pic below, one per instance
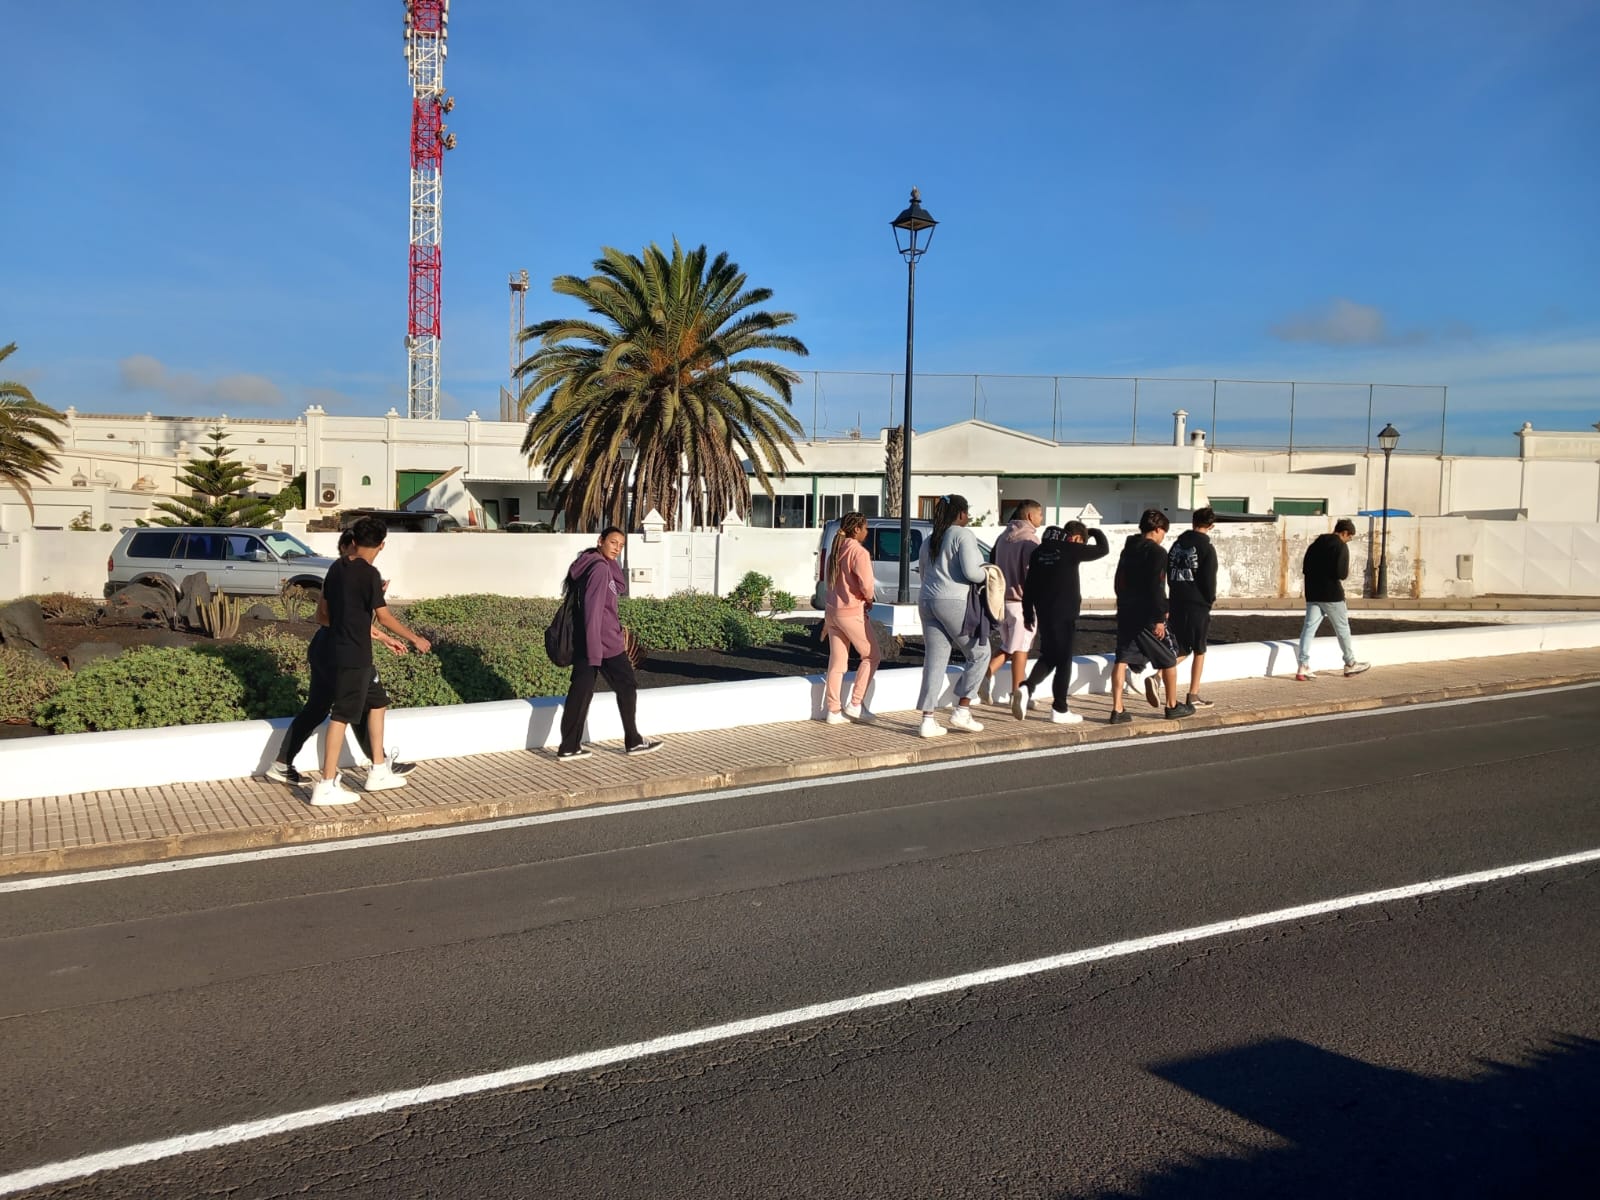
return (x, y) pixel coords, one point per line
(427, 28)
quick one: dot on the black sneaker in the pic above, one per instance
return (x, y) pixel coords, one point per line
(573, 755)
(1150, 690)
(648, 746)
(1178, 711)
(280, 772)
(1122, 718)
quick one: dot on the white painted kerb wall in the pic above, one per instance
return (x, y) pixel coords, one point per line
(84, 762)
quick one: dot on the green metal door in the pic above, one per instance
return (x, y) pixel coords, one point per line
(408, 483)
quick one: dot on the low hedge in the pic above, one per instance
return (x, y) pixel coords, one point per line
(25, 683)
(484, 648)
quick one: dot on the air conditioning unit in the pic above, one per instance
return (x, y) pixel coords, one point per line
(328, 491)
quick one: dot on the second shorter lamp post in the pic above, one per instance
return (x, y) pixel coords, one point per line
(1388, 439)
(909, 227)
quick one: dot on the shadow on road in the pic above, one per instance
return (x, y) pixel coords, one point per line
(1358, 1130)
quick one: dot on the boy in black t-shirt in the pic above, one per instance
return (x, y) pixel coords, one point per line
(352, 598)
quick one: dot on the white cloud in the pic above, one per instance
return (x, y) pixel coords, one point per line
(1343, 322)
(142, 373)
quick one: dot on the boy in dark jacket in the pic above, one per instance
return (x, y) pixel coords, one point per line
(1141, 585)
(1192, 584)
(1326, 566)
(1051, 599)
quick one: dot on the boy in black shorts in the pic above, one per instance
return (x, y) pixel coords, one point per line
(1142, 637)
(352, 596)
(1192, 587)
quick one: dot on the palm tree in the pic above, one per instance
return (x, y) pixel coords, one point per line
(660, 367)
(27, 441)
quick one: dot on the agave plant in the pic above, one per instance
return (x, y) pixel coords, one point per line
(671, 363)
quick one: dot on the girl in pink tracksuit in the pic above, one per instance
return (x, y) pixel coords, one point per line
(851, 589)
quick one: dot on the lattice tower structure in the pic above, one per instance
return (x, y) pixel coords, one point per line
(427, 25)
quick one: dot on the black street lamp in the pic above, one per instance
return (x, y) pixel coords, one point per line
(1388, 439)
(909, 227)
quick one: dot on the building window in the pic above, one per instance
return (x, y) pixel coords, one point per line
(867, 506)
(1297, 507)
(793, 512)
(925, 507)
(366, 481)
(1229, 504)
(761, 510)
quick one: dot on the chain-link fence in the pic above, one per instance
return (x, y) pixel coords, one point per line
(1234, 413)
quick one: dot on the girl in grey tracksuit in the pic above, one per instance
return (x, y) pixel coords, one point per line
(951, 562)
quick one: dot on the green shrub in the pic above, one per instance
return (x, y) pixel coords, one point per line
(696, 622)
(144, 688)
(415, 680)
(273, 669)
(750, 592)
(25, 683)
(782, 602)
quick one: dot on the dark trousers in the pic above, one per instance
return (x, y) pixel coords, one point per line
(575, 712)
(319, 703)
(1055, 654)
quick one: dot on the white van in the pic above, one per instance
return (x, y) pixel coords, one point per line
(883, 545)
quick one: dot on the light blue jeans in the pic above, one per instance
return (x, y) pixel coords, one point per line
(1336, 612)
(941, 634)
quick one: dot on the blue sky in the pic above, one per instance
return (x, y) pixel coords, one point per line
(207, 210)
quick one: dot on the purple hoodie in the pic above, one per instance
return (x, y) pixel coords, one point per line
(602, 628)
(1013, 552)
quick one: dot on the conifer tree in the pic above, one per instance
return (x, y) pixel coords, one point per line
(219, 492)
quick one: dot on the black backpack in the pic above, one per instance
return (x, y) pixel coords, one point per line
(561, 636)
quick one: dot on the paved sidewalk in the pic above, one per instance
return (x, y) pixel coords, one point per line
(99, 829)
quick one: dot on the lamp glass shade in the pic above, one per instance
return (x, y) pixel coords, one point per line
(1389, 438)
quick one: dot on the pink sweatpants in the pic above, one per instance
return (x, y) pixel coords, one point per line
(846, 631)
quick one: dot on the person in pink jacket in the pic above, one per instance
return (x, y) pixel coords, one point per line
(851, 589)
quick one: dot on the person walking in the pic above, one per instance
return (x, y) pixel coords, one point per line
(1326, 566)
(1051, 600)
(1192, 590)
(601, 649)
(353, 595)
(851, 588)
(1142, 635)
(1012, 554)
(319, 695)
(951, 561)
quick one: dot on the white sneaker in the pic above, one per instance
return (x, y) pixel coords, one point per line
(836, 718)
(963, 720)
(383, 778)
(931, 728)
(855, 712)
(1356, 668)
(1019, 702)
(1065, 718)
(329, 791)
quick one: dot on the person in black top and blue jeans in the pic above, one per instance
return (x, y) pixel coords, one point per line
(1326, 566)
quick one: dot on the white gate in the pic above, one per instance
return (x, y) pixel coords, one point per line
(692, 562)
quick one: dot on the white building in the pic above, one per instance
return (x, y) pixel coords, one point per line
(115, 466)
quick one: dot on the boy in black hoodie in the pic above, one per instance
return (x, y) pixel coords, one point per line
(1051, 599)
(1142, 637)
(1192, 584)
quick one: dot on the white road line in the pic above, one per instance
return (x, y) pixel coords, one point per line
(247, 1131)
(68, 879)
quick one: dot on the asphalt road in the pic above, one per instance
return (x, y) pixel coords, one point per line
(1448, 1045)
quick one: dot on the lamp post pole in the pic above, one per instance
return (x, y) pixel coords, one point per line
(1388, 439)
(911, 223)
(627, 452)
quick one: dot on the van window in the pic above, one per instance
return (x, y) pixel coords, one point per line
(205, 547)
(885, 544)
(241, 545)
(154, 544)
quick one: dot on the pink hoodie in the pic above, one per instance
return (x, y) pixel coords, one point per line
(855, 586)
(1013, 552)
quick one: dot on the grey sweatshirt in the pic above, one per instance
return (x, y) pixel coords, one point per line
(958, 565)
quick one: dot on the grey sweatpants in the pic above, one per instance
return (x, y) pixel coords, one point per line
(941, 633)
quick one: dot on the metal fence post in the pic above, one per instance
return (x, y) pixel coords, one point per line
(1213, 414)
(1291, 424)
(1444, 416)
(1055, 419)
(815, 376)
(1135, 410)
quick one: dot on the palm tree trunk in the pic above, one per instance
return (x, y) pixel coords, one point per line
(893, 457)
